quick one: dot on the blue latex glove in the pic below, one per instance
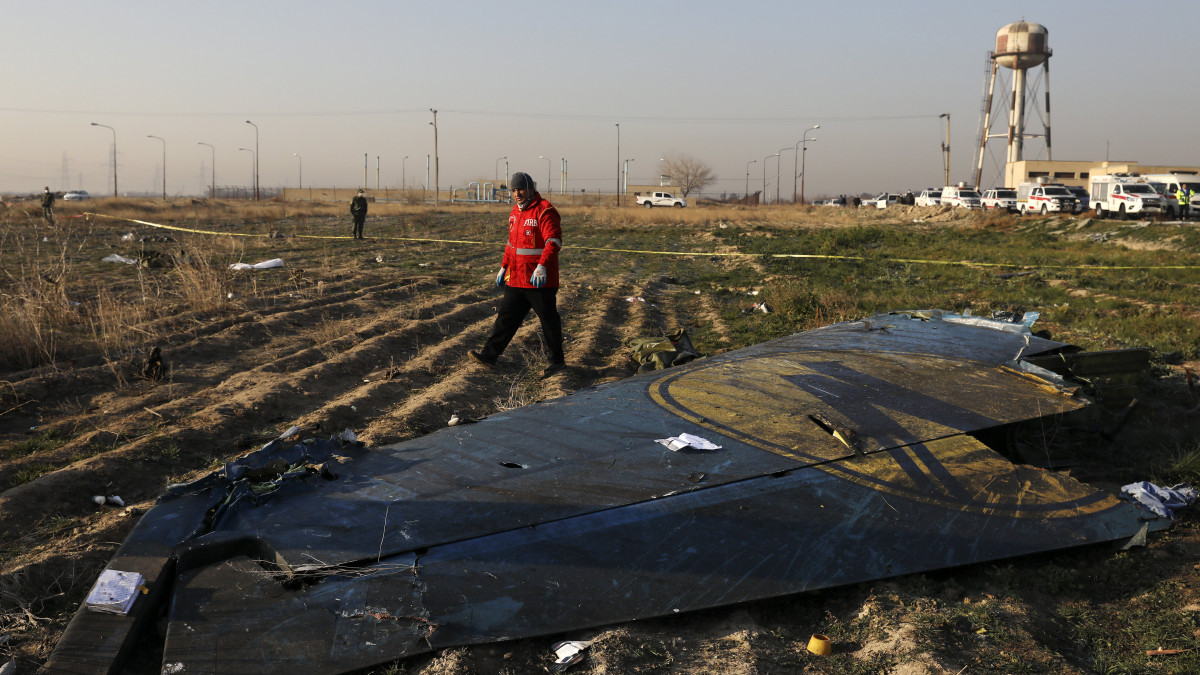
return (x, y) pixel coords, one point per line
(500, 277)
(539, 277)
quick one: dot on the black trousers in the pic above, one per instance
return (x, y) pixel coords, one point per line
(514, 307)
(358, 226)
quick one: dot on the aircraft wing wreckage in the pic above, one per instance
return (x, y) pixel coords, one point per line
(847, 453)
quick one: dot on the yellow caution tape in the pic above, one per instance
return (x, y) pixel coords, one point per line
(726, 254)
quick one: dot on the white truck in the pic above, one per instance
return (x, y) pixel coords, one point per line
(882, 201)
(961, 196)
(1123, 195)
(660, 199)
(1171, 183)
(999, 199)
(1045, 198)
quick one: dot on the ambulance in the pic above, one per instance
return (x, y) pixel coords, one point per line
(1123, 195)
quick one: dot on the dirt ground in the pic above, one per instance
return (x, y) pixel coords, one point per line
(374, 341)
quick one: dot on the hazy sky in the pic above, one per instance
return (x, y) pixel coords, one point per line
(725, 82)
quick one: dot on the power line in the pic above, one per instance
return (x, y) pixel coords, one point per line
(484, 113)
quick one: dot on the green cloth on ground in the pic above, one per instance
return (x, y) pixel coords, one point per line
(658, 353)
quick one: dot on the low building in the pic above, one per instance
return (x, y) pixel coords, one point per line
(1078, 173)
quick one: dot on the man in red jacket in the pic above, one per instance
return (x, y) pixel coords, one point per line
(528, 275)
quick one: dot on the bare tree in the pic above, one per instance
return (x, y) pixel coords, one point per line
(689, 173)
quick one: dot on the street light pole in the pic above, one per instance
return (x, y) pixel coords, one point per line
(436, 179)
(497, 166)
(213, 189)
(804, 137)
(300, 180)
(946, 150)
(364, 183)
(253, 165)
(114, 154)
(618, 163)
(164, 163)
(547, 173)
(255, 158)
(377, 173)
(803, 157)
(764, 163)
(777, 181)
(753, 161)
(404, 173)
(625, 188)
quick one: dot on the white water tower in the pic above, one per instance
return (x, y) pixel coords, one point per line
(1020, 47)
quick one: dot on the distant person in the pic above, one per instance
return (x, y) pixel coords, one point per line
(48, 205)
(358, 209)
(1181, 196)
(909, 198)
(528, 276)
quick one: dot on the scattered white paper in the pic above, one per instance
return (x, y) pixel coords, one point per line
(264, 265)
(119, 259)
(686, 440)
(114, 592)
(634, 298)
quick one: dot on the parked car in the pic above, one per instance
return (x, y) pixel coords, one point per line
(1000, 198)
(929, 197)
(1043, 198)
(884, 200)
(960, 196)
(76, 196)
(660, 199)
(1081, 194)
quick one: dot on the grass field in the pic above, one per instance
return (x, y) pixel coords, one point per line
(371, 335)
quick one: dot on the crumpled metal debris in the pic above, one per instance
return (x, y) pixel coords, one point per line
(568, 653)
(1160, 501)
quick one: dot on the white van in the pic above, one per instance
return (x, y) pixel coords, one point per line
(1121, 195)
(961, 196)
(1172, 182)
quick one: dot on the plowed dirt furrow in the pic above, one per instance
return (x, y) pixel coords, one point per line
(455, 385)
(617, 319)
(280, 333)
(384, 336)
(424, 353)
(201, 324)
(248, 334)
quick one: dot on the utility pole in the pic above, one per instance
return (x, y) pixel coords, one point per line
(164, 164)
(255, 158)
(436, 182)
(618, 163)
(946, 148)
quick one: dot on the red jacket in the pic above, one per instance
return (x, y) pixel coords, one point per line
(534, 238)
